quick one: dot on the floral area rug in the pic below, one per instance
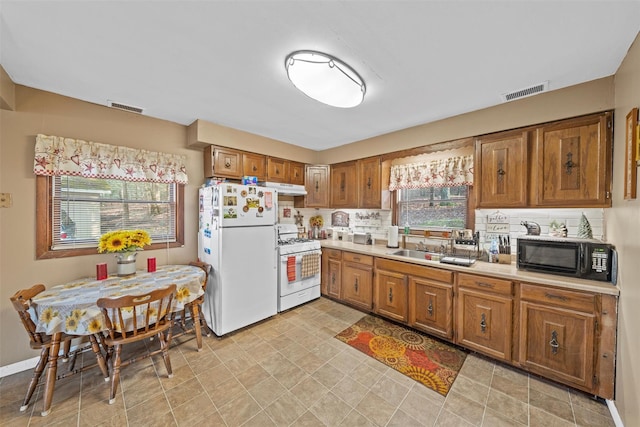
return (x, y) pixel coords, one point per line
(426, 360)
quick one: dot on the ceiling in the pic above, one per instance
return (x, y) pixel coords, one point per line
(223, 61)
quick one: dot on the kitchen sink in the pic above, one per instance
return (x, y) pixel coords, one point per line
(434, 256)
(417, 254)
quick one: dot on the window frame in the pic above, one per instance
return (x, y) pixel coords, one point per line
(470, 219)
(44, 227)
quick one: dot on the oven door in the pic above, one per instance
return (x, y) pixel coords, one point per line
(299, 271)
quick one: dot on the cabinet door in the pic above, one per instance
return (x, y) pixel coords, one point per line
(277, 170)
(431, 306)
(317, 185)
(343, 185)
(357, 285)
(296, 173)
(369, 190)
(557, 343)
(254, 165)
(391, 295)
(573, 163)
(222, 162)
(483, 323)
(334, 270)
(501, 170)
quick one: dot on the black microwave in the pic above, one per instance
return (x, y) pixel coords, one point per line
(582, 258)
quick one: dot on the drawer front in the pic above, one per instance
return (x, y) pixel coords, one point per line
(359, 258)
(332, 253)
(487, 284)
(580, 301)
(436, 274)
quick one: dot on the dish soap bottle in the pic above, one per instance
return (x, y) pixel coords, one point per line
(407, 229)
(493, 251)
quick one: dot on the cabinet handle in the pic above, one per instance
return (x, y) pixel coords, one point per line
(333, 278)
(430, 308)
(369, 183)
(277, 171)
(316, 185)
(483, 323)
(500, 171)
(553, 296)
(255, 168)
(227, 162)
(356, 285)
(484, 285)
(569, 164)
(390, 295)
(554, 342)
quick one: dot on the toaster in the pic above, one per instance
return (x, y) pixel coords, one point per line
(362, 238)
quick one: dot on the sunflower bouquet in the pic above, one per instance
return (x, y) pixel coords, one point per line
(316, 221)
(124, 241)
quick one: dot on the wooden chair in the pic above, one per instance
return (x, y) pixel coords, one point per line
(193, 310)
(133, 318)
(21, 301)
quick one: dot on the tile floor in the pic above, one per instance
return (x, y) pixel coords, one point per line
(291, 371)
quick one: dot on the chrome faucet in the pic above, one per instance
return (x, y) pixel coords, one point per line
(421, 246)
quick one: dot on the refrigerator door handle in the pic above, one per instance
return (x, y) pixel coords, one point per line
(276, 252)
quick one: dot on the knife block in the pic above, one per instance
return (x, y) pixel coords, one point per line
(504, 258)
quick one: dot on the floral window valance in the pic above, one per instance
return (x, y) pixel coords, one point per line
(55, 155)
(449, 172)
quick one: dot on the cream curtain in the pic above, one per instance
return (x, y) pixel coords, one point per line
(55, 155)
(448, 172)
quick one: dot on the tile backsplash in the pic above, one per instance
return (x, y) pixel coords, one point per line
(377, 221)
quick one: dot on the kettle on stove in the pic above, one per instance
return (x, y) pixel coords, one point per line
(533, 228)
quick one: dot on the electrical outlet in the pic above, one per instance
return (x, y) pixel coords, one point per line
(5, 200)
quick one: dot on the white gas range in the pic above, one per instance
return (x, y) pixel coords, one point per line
(298, 268)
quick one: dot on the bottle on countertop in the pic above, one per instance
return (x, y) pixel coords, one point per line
(493, 251)
(407, 229)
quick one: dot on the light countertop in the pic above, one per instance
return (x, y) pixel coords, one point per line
(506, 271)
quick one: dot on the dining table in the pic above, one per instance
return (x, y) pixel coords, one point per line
(71, 308)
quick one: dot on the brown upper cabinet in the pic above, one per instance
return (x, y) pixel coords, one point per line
(229, 163)
(296, 173)
(222, 162)
(369, 188)
(253, 165)
(572, 162)
(317, 186)
(277, 170)
(501, 170)
(344, 185)
(357, 184)
(567, 163)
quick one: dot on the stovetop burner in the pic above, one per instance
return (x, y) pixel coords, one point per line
(293, 241)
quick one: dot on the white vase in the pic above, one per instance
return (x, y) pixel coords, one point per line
(126, 263)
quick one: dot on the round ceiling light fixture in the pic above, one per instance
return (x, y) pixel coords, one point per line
(325, 78)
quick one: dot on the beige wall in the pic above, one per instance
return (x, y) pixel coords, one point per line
(576, 100)
(47, 113)
(623, 228)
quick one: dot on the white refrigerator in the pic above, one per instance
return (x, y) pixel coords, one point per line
(237, 237)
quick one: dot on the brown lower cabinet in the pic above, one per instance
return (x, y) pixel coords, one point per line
(357, 280)
(484, 315)
(565, 335)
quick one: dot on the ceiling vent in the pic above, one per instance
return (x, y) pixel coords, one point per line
(125, 107)
(527, 91)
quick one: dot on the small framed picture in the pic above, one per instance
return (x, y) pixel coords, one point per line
(631, 147)
(286, 213)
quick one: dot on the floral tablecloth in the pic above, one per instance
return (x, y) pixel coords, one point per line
(71, 307)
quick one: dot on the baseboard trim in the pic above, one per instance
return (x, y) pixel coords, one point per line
(14, 368)
(614, 413)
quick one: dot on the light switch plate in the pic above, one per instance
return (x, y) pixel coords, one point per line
(5, 200)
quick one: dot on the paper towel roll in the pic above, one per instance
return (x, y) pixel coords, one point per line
(392, 239)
